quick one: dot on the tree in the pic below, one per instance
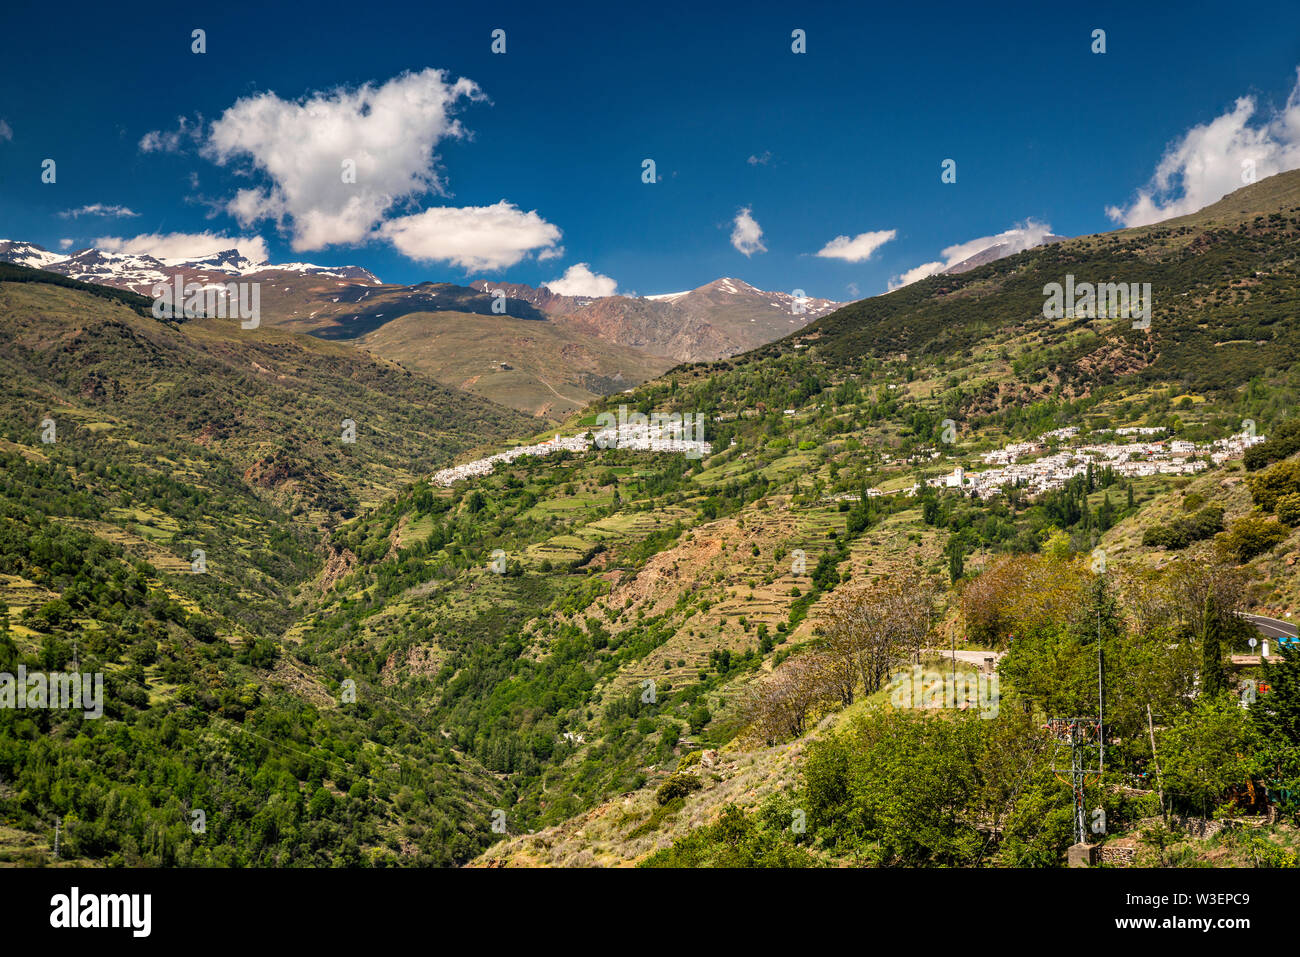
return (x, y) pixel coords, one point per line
(1213, 680)
(910, 789)
(930, 509)
(322, 803)
(1284, 441)
(699, 718)
(956, 560)
(1057, 545)
(1206, 751)
(777, 708)
(860, 516)
(1277, 713)
(870, 632)
(985, 599)
(679, 785)
(1105, 514)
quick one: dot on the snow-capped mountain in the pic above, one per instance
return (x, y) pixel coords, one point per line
(230, 259)
(718, 319)
(137, 273)
(721, 318)
(26, 254)
(353, 273)
(807, 307)
(141, 273)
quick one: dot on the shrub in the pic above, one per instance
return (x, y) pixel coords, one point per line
(1284, 441)
(1181, 532)
(1272, 483)
(1251, 536)
(679, 785)
(1288, 509)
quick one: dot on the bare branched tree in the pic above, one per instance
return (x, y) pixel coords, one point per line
(777, 707)
(869, 632)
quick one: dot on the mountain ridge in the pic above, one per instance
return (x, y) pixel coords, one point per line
(578, 657)
(141, 272)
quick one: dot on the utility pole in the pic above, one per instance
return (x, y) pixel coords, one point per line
(1084, 737)
(1155, 761)
(954, 667)
(1101, 688)
(1081, 736)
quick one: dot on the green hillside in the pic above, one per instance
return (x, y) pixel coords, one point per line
(171, 441)
(540, 367)
(638, 657)
(1222, 287)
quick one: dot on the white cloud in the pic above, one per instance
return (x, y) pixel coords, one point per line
(1026, 236)
(747, 235)
(473, 237)
(917, 273)
(388, 132)
(99, 209)
(171, 141)
(185, 245)
(579, 280)
(859, 248)
(65, 243)
(760, 159)
(6, 132)
(1207, 162)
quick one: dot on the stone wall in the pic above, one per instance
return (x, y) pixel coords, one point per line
(1117, 855)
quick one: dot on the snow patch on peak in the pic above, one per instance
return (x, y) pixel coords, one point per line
(141, 272)
(731, 285)
(227, 260)
(26, 254)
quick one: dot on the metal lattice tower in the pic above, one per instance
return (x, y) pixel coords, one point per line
(1081, 738)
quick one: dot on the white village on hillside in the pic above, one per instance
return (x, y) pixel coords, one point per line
(639, 436)
(1054, 470)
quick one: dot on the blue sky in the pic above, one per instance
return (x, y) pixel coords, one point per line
(546, 170)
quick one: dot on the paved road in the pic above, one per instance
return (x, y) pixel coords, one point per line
(970, 657)
(1272, 627)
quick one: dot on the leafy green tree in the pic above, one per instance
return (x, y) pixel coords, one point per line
(1213, 679)
(322, 803)
(956, 560)
(1207, 750)
(677, 786)
(1277, 712)
(699, 718)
